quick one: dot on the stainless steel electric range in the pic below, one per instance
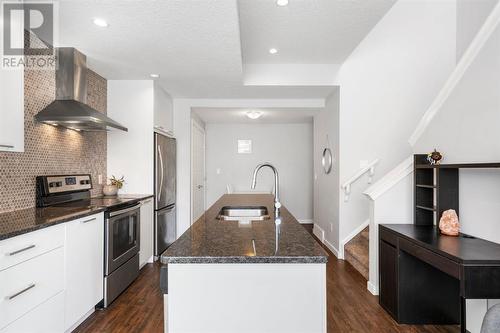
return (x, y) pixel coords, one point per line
(121, 229)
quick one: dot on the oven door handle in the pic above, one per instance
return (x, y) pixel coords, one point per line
(123, 211)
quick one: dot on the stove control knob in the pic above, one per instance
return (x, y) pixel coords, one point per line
(58, 184)
(82, 182)
(52, 184)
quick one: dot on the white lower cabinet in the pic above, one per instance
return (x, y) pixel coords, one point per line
(45, 318)
(30, 283)
(84, 267)
(147, 232)
(52, 278)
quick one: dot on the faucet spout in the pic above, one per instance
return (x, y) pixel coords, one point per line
(277, 203)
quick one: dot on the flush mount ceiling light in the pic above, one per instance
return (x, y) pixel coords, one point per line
(282, 3)
(154, 76)
(100, 23)
(254, 114)
(273, 50)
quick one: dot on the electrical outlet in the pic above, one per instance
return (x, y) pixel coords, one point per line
(99, 179)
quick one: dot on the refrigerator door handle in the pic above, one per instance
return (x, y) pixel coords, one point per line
(161, 172)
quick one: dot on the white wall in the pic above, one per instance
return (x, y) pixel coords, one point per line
(326, 186)
(182, 129)
(287, 146)
(131, 153)
(386, 85)
(470, 17)
(467, 129)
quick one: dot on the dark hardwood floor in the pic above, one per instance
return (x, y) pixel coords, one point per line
(351, 308)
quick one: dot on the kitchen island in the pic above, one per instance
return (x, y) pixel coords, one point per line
(245, 276)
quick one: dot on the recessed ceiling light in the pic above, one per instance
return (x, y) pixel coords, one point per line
(254, 114)
(273, 50)
(154, 76)
(100, 23)
(282, 3)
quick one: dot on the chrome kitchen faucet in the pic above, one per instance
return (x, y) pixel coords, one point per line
(277, 203)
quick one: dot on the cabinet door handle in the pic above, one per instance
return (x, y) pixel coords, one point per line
(21, 292)
(21, 250)
(7, 146)
(89, 220)
(146, 201)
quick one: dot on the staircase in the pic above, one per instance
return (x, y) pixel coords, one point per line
(356, 252)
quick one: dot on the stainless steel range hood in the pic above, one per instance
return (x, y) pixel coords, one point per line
(70, 107)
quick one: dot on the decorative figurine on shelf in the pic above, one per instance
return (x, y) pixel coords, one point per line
(115, 185)
(449, 224)
(435, 157)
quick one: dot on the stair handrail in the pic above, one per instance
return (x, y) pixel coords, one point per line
(370, 168)
(390, 179)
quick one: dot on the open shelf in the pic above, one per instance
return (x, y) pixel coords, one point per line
(425, 186)
(426, 208)
(459, 166)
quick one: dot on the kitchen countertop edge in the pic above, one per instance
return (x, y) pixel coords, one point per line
(62, 219)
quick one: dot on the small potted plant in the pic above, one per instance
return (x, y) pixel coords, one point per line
(113, 187)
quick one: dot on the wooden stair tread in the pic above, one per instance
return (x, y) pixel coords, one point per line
(356, 252)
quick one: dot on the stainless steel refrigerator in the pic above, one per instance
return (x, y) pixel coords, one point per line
(165, 192)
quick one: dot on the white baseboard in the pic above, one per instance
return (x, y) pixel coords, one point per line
(332, 248)
(352, 235)
(306, 221)
(372, 288)
(320, 233)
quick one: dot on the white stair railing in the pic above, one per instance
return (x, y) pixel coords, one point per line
(391, 201)
(369, 168)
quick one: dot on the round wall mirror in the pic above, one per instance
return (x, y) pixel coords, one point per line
(327, 160)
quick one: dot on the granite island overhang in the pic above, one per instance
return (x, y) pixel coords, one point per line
(245, 276)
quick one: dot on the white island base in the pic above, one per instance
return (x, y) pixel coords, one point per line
(257, 297)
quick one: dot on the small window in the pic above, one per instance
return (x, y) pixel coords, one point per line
(244, 146)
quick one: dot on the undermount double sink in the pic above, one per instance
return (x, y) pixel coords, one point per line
(243, 213)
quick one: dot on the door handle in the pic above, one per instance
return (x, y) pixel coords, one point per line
(21, 250)
(161, 171)
(199, 187)
(21, 292)
(7, 146)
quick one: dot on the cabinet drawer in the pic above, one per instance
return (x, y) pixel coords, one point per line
(443, 264)
(388, 237)
(27, 285)
(44, 318)
(21, 248)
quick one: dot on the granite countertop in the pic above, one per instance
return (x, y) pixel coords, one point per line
(19, 222)
(210, 240)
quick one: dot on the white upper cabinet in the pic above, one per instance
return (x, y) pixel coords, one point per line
(12, 101)
(163, 110)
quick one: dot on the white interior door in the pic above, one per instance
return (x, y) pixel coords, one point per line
(198, 171)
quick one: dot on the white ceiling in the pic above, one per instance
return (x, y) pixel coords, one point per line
(269, 115)
(196, 45)
(306, 31)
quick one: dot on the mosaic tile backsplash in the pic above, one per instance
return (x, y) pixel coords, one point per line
(50, 150)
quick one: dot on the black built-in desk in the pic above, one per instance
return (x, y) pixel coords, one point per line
(425, 277)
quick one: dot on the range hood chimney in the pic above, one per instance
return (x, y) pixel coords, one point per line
(70, 107)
